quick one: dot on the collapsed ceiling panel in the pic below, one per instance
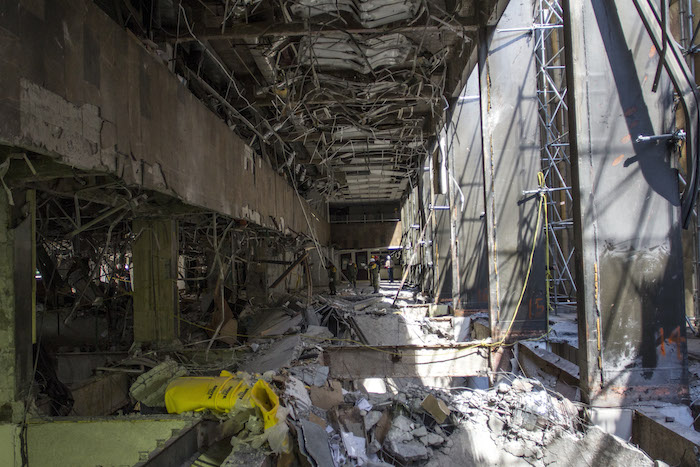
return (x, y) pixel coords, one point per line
(325, 88)
(340, 51)
(369, 13)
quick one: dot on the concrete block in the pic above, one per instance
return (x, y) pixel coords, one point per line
(596, 448)
(614, 421)
(439, 310)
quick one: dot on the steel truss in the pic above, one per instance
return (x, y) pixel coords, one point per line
(556, 166)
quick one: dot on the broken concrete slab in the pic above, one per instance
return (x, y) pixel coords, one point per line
(312, 375)
(410, 451)
(284, 325)
(432, 439)
(439, 310)
(371, 419)
(363, 304)
(595, 448)
(400, 431)
(280, 354)
(496, 425)
(149, 388)
(244, 455)
(470, 444)
(318, 332)
(462, 326)
(316, 443)
(402, 423)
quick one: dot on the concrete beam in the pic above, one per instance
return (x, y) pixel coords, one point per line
(670, 442)
(260, 30)
(408, 361)
(627, 218)
(102, 441)
(79, 88)
(155, 275)
(556, 372)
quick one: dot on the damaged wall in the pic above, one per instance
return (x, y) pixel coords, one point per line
(77, 87)
(366, 235)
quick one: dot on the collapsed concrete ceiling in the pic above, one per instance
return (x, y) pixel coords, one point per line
(344, 97)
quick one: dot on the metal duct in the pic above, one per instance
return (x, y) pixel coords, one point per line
(265, 57)
(340, 52)
(369, 13)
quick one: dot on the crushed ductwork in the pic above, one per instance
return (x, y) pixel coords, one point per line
(340, 51)
(265, 55)
(323, 85)
(369, 13)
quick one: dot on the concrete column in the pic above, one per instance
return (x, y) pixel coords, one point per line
(470, 265)
(16, 316)
(511, 151)
(155, 281)
(631, 310)
(442, 220)
(257, 280)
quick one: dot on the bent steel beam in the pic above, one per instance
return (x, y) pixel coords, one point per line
(626, 210)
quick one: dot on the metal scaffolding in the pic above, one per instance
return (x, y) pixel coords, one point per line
(552, 98)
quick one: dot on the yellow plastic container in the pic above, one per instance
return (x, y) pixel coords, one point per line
(220, 394)
(197, 393)
(263, 397)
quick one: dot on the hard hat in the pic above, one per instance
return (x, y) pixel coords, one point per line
(371, 260)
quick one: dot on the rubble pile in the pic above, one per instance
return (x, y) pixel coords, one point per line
(322, 421)
(418, 423)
